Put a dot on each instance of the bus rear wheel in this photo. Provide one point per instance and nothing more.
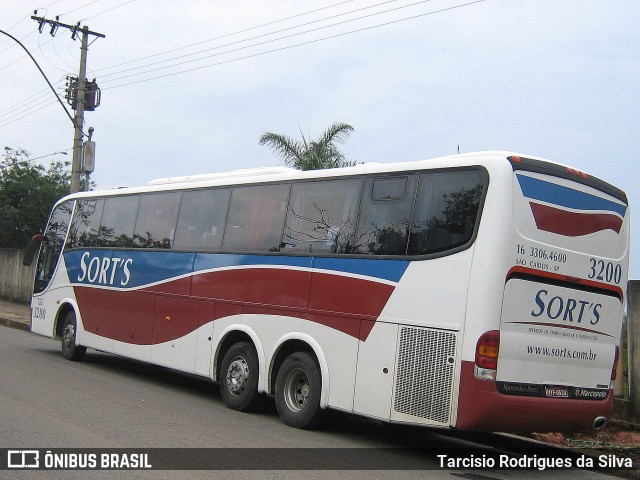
(70, 350)
(239, 377)
(298, 388)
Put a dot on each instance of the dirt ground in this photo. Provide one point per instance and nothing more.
(619, 438)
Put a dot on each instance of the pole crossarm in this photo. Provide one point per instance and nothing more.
(55, 24)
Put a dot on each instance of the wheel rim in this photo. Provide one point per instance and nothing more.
(69, 336)
(296, 390)
(237, 375)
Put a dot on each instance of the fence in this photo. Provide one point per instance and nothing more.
(16, 280)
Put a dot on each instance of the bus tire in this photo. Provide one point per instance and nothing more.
(298, 388)
(70, 350)
(239, 377)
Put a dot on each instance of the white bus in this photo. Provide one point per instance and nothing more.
(481, 291)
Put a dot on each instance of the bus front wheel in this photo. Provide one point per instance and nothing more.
(298, 388)
(70, 350)
(239, 377)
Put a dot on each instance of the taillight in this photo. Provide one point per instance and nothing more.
(487, 351)
(614, 372)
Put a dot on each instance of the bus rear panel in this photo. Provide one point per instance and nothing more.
(552, 359)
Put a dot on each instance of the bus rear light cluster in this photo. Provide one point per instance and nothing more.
(578, 173)
(487, 351)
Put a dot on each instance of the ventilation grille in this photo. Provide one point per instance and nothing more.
(424, 376)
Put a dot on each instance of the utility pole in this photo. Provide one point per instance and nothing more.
(79, 103)
(79, 116)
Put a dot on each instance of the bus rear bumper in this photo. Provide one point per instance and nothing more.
(482, 407)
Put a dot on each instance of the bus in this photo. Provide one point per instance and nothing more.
(479, 291)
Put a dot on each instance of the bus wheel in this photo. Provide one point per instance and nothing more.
(298, 387)
(70, 350)
(239, 377)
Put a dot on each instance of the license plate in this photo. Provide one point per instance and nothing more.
(556, 391)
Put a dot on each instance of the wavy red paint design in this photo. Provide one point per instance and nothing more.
(173, 309)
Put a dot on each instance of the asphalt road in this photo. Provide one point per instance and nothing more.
(111, 402)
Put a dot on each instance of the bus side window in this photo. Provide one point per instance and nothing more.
(256, 217)
(385, 215)
(156, 222)
(446, 211)
(118, 221)
(322, 216)
(201, 219)
(86, 223)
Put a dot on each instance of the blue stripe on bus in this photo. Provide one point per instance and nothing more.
(137, 268)
(536, 189)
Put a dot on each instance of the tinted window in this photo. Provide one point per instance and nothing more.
(50, 251)
(86, 223)
(321, 217)
(156, 222)
(118, 221)
(389, 188)
(446, 210)
(385, 216)
(256, 216)
(201, 219)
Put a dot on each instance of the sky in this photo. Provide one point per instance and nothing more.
(189, 86)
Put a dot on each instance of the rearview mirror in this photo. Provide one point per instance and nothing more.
(33, 248)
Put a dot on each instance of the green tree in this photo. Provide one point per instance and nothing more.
(307, 154)
(27, 193)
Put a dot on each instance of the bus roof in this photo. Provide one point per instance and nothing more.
(281, 173)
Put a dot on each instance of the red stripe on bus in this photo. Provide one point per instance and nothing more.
(161, 313)
(573, 224)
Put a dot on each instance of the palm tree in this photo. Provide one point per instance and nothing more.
(308, 154)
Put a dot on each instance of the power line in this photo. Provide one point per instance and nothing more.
(31, 98)
(266, 35)
(43, 74)
(45, 56)
(16, 110)
(35, 109)
(13, 44)
(280, 48)
(26, 55)
(20, 110)
(53, 44)
(26, 17)
(78, 8)
(222, 36)
(108, 10)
